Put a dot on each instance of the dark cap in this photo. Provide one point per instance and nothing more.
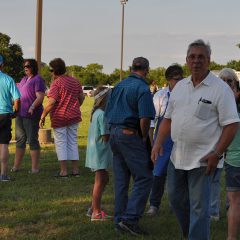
(140, 63)
(1, 59)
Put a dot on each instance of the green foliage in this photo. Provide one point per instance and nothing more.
(13, 57)
(157, 75)
(46, 75)
(215, 66)
(234, 64)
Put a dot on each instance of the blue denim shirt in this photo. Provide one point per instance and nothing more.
(130, 101)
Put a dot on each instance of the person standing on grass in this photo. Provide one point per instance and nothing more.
(173, 74)
(129, 112)
(99, 154)
(32, 89)
(9, 106)
(232, 164)
(202, 119)
(65, 97)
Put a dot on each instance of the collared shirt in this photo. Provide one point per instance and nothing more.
(8, 93)
(160, 101)
(66, 111)
(28, 89)
(198, 115)
(129, 101)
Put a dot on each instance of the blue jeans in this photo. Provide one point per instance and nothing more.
(157, 190)
(130, 158)
(189, 195)
(215, 193)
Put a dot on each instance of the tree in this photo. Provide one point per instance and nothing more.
(215, 66)
(46, 75)
(234, 64)
(13, 57)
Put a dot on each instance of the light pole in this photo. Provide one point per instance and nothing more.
(123, 2)
(38, 46)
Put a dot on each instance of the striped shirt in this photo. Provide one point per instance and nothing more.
(66, 111)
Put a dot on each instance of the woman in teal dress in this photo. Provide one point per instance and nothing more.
(99, 154)
(232, 164)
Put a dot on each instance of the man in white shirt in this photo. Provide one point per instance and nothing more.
(173, 74)
(203, 120)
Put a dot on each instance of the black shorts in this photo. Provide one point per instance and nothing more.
(5, 130)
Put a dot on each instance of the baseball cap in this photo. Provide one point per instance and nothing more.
(1, 59)
(140, 63)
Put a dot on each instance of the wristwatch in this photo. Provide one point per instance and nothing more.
(219, 155)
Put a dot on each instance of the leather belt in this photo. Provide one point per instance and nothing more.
(4, 115)
(129, 131)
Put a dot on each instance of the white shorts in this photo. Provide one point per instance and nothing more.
(66, 142)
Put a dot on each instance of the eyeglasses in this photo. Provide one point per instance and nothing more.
(27, 66)
(177, 78)
(229, 81)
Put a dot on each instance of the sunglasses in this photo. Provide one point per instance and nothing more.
(27, 66)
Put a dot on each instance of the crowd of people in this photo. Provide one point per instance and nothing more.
(184, 134)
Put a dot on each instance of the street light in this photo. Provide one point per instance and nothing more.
(123, 2)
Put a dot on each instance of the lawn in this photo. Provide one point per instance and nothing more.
(34, 207)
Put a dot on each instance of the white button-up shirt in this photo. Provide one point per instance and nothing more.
(160, 100)
(198, 115)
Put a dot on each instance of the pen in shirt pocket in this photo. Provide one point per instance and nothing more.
(204, 101)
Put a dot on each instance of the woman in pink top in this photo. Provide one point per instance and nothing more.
(65, 97)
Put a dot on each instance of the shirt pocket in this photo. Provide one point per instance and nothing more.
(203, 110)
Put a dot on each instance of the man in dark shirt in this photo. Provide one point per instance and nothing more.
(129, 111)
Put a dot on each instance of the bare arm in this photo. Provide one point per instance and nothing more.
(144, 126)
(81, 98)
(105, 138)
(16, 107)
(38, 101)
(163, 132)
(47, 109)
(228, 134)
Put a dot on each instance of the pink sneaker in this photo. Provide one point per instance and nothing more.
(102, 216)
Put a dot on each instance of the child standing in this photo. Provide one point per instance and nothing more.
(99, 155)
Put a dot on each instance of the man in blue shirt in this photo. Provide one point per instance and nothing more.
(129, 112)
(9, 98)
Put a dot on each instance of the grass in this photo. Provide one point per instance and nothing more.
(41, 207)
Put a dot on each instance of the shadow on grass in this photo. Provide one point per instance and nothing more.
(40, 206)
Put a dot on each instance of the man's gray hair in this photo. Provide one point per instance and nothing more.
(200, 43)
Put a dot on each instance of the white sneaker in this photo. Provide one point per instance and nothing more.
(152, 211)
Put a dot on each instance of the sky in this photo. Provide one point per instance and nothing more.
(82, 32)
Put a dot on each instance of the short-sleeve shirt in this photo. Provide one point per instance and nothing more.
(8, 93)
(129, 101)
(99, 154)
(28, 89)
(233, 152)
(198, 115)
(66, 111)
(160, 101)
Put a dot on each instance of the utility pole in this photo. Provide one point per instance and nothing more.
(38, 46)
